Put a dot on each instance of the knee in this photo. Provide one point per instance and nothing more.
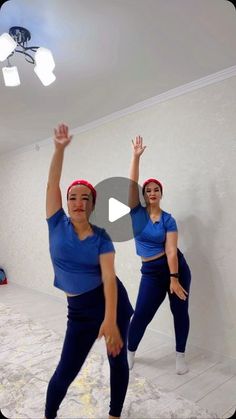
(141, 316)
(179, 311)
(119, 361)
(63, 377)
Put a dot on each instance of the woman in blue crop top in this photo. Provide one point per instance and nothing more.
(83, 260)
(164, 268)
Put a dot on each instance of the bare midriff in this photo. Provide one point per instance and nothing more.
(152, 257)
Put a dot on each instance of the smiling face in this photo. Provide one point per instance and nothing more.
(152, 194)
(80, 203)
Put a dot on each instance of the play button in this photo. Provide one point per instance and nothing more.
(112, 210)
(117, 210)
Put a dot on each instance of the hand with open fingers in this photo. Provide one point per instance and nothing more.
(176, 288)
(61, 136)
(138, 147)
(112, 337)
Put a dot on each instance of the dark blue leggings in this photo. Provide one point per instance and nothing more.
(85, 315)
(155, 284)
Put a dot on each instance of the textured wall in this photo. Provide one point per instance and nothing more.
(191, 148)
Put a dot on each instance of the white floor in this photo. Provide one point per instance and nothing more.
(211, 382)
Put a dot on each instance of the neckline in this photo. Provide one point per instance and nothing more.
(86, 238)
(156, 221)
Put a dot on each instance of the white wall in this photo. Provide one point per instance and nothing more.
(191, 148)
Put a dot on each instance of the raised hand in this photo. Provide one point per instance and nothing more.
(61, 136)
(138, 147)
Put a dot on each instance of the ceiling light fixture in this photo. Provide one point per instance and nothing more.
(16, 42)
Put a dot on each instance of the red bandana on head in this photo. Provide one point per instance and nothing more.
(85, 183)
(152, 180)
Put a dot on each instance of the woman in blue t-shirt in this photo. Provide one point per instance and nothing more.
(83, 261)
(164, 268)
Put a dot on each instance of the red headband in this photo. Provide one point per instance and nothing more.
(152, 180)
(85, 183)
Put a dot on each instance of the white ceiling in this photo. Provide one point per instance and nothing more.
(109, 54)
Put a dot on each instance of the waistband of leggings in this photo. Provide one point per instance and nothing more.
(87, 298)
(161, 258)
(91, 297)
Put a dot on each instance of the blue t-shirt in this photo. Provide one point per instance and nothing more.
(151, 240)
(76, 262)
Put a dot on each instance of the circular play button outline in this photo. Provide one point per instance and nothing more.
(112, 211)
(116, 209)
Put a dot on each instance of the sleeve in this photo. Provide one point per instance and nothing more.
(170, 224)
(106, 245)
(139, 219)
(135, 209)
(55, 218)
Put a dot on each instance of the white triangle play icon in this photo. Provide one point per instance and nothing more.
(117, 209)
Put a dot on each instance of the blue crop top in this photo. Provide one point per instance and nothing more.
(76, 262)
(151, 240)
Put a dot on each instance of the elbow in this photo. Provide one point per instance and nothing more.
(171, 253)
(109, 279)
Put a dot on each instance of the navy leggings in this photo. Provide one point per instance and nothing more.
(85, 315)
(155, 284)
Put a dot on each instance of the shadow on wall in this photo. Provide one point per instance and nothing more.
(207, 299)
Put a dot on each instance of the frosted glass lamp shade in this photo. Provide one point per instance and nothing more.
(7, 46)
(46, 77)
(11, 76)
(44, 59)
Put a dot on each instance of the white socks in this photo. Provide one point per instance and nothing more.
(131, 356)
(181, 366)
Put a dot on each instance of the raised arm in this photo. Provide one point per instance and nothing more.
(53, 197)
(137, 151)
